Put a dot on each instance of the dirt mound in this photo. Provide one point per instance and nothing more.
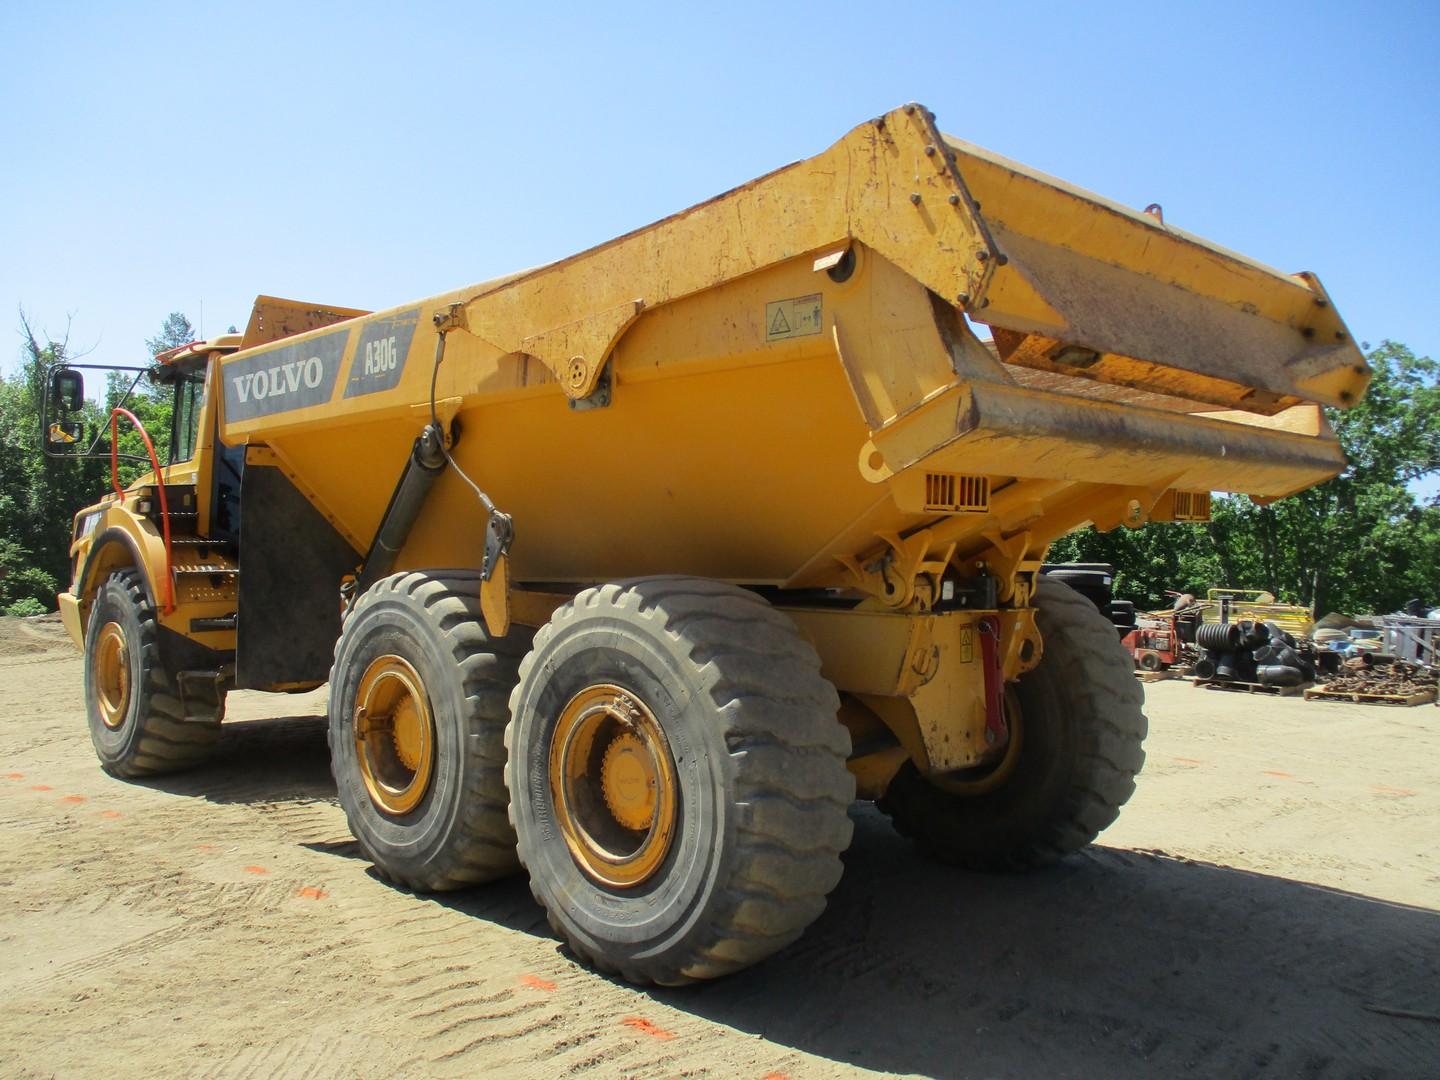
(36, 636)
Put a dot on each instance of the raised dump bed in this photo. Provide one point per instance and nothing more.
(636, 568)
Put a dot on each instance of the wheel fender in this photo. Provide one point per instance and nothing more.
(114, 549)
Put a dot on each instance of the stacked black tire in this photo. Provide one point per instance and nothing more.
(1252, 652)
(1095, 582)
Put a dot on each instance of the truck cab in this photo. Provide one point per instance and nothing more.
(171, 536)
(156, 586)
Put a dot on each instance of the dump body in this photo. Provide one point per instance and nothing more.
(785, 388)
(762, 422)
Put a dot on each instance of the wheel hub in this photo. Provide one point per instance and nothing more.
(986, 778)
(628, 779)
(613, 782)
(111, 675)
(394, 735)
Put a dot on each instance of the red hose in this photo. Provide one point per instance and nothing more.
(115, 415)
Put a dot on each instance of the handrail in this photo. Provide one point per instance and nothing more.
(115, 415)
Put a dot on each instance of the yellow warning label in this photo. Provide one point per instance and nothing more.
(796, 317)
(967, 644)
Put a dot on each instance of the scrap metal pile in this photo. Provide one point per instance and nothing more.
(1400, 678)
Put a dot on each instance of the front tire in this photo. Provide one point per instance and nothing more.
(418, 698)
(140, 723)
(1081, 729)
(677, 778)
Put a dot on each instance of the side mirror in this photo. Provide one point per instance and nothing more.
(63, 433)
(67, 389)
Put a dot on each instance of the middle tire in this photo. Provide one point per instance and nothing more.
(677, 778)
(417, 717)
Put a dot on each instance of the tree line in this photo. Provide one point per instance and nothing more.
(40, 495)
(1360, 543)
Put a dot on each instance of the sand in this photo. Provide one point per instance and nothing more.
(1265, 906)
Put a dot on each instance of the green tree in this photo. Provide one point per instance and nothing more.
(174, 332)
(38, 494)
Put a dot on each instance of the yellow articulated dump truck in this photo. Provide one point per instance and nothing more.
(635, 570)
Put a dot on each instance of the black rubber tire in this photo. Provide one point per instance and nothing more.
(459, 834)
(155, 736)
(760, 763)
(1080, 750)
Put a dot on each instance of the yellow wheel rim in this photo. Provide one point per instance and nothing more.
(1000, 771)
(613, 782)
(394, 735)
(112, 675)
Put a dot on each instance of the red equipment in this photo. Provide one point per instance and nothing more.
(1154, 643)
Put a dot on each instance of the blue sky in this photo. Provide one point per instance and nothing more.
(165, 157)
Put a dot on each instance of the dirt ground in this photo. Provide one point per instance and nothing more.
(1266, 905)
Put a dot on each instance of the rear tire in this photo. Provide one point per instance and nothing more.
(1081, 730)
(723, 712)
(420, 638)
(139, 722)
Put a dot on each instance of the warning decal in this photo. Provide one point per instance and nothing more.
(967, 645)
(796, 317)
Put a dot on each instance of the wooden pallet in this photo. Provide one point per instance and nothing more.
(1156, 676)
(1321, 693)
(1252, 688)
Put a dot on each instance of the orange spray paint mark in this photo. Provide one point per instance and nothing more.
(42, 787)
(536, 983)
(112, 814)
(256, 870)
(206, 847)
(775, 1076)
(1277, 773)
(645, 1027)
(311, 892)
(15, 776)
(73, 799)
(1381, 789)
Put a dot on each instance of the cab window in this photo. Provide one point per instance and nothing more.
(189, 396)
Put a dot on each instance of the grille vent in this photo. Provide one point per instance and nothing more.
(957, 493)
(1192, 506)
